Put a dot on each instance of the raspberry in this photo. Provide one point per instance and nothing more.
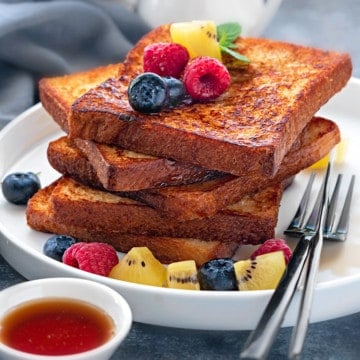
(96, 258)
(206, 78)
(272, 245)
(165, 59)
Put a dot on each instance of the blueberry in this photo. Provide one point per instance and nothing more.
(217, 274)
(56, 245)
(18, 188)
(148, 93)
(177, 91)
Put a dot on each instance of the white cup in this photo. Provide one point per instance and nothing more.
(253, 15)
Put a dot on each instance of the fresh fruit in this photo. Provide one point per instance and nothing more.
(165, 59)
(96, 258)
(272, 245)
(140, 266)
(198, 37)
(263, 272)
(217, 274)
(56, 245)
(206, 78)
(339, 156)
(18, 187)
(177, 92)
(182, 275)
(148, 93)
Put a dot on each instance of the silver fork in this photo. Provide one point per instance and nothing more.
(330, 231)
(333, 230)
(305, 259)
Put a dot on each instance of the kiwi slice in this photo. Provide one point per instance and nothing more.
(263, 272)
(182, 275)
(140, 266)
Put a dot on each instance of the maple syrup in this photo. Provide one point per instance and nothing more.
(55, 326)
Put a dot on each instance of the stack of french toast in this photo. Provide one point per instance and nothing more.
(195, 181)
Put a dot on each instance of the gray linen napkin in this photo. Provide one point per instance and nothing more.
(45, 38)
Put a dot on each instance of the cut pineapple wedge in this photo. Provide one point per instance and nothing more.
(198, 37)
(182, 275)
(140, 266)
(339, 156)
(263, 272)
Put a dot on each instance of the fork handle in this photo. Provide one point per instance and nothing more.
(263, 336)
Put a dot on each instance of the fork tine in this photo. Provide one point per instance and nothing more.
(313, 220)
(330, 217)
(342, 227)
(298, 220)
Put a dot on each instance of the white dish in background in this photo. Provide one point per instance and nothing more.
(23, 148)
(253, 16)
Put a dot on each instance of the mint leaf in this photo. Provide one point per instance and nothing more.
(227, 34)
(235, 54)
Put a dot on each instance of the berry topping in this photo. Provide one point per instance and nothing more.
(217, 274)
(177, 92)
(96, 258)
(273, 245)
(18, 188)
(165, 59)
(148, 93)
(56, 245)
(206, 78)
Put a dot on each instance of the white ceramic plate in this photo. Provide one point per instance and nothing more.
(23, 148)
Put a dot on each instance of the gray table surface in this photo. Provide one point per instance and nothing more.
(329, 24)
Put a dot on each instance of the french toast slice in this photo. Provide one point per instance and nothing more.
(123, 170)
(59, 92)
(118, 169)
(166, 249)
(208, 197)
(249, 129)
(250, 221)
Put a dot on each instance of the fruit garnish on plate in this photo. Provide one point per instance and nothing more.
(19, 187)
(218, 274)
(339, 156)
(261, 273)
(97, 258)
(140, 266)
(182, 275)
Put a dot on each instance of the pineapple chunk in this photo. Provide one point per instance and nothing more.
(264, 272)
(198, 37)
(183, 275)
(339, 156)
(140, 266)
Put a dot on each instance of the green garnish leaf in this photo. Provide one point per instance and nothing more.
(227, 34)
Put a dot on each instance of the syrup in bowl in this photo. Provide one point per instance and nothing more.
(63, 319)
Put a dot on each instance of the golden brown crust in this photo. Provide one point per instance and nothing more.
(252, 220)
(59, 92)
(166, 249)
(206, 198)
(250, 128)
(122, 170)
